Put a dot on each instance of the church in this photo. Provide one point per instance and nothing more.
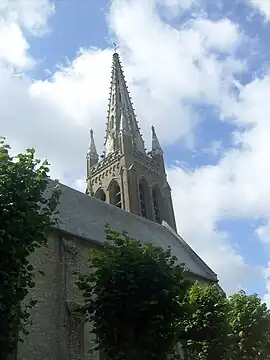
(127, 188)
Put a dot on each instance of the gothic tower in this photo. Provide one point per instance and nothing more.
(126, 176)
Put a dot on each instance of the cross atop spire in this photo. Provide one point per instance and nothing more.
(115, 47)
(121, 117)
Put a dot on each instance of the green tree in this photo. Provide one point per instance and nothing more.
(206, 326)
(25, 216)
(249, 321)
(134, 297)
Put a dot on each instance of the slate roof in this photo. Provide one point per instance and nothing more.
(84, 216)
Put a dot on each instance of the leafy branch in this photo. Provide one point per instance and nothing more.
(26, 214)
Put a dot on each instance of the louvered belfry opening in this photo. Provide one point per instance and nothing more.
(145, 199)
(142, 200)
(115, 194)
(156, 204)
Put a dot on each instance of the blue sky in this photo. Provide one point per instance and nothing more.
(197, 69)
(72, 26)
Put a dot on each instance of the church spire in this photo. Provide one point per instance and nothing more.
(156, 148)
(92, 155)
(121, 117)
(126, 176)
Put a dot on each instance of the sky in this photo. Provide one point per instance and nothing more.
(198, 70)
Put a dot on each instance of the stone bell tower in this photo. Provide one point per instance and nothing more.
(126, 176)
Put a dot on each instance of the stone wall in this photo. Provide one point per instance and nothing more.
(57, 333)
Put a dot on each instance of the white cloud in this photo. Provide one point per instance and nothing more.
(236, 187)
(266, 298)
(78, 89)
(228, 37)
(174, 66)
(30, 14)
(15, 17)
(263, 6)
(169, 70)
(201, 198)
(13, 46)
(264, 232)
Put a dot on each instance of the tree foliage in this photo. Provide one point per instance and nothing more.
(25, 216)
(206, 325)
(134, 295)
(234, 328)
(141, 307)
(249, 322)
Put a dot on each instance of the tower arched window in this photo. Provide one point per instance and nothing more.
(115, 194)
(100, 194)
(144, 197)
(156, 204)
(142, 200)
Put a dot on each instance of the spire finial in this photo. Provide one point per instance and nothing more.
(156, 148)
(115, 47)
(92, 152)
